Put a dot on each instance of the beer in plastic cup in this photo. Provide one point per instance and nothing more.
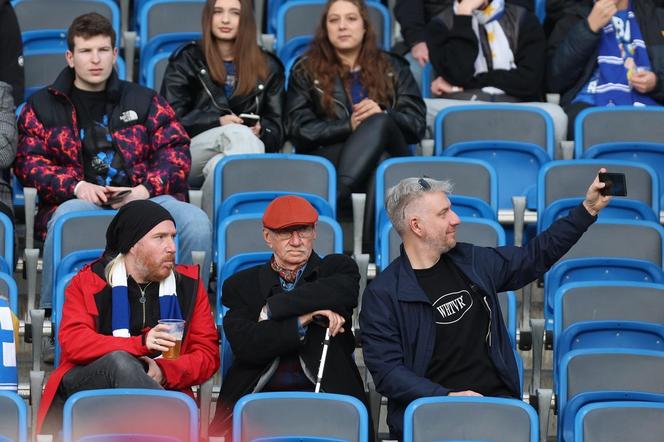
(175, 328)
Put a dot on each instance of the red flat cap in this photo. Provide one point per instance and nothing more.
(287, 211)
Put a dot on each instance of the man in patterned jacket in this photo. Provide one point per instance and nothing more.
(92, 141)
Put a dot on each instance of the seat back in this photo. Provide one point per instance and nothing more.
(517, 165)
(608, 301)
(6, 244)
(130, 412)
(599, 125)
(620, 420)
(471, 178)
(524, 124)
(609, 370)
(470, 418)
(559, 180)
(273, 173)
(75, 231)
(13, 417)
(44, 24)
(156, 69)
(296, 18)
(297, 415)
(598, 270)
(642, 240)
(169, 17)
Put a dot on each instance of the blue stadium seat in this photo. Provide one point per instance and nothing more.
(13, 417)
(302, 416)
(126, 414)
(9, 324)
(588, 375)
(619, 420)
(158, 49)
(449, 418)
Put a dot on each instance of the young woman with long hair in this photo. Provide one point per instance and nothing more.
(350, 102)
(212, 82)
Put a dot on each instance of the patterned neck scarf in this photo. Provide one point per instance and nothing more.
(290, 276)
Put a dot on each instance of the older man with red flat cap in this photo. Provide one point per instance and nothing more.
(278, 313)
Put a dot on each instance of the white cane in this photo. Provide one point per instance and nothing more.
(323, 356)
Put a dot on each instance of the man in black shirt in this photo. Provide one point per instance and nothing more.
(431, 323)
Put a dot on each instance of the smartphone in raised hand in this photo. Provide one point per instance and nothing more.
(615, 184)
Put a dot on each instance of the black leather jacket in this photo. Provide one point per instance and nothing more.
(199, 102)
(309, 127)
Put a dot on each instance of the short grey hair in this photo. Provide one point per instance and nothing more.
(404, 193)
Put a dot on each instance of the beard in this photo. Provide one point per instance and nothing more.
(153, 269)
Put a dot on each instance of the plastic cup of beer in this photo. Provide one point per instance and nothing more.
(175, 328)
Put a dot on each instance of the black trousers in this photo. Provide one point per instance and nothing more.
(117, 369)
(356, 159)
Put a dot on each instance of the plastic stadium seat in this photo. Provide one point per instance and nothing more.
(117, 414)
(563, 180)
(44, 24)
(592, 371)
(13, 417)
(155, 54)
(300, 416)
(75, 231)
(470, 418)
(623, 133)
(516, 140)
(619, 421)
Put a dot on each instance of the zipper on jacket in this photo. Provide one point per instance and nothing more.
(488, 331)
(207, 90)
(341, 105)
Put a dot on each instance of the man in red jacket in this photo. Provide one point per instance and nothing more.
(109, 334)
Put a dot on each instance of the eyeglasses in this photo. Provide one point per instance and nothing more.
(303, 232)
(424, 184)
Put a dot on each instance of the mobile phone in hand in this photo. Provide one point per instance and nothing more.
(117, 196)
(249, 120)
(615, 184)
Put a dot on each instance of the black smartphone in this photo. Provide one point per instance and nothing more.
(616, 184)
(118, 196)
(249, 120)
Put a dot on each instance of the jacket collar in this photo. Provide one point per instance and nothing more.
(64, 84)
(408, 289)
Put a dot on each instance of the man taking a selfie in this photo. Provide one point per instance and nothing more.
(431, 323)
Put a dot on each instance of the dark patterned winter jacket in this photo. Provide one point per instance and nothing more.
(153, 144)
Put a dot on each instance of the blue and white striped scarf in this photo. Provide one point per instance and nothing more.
(621, 51)
(169, 308)
(8, 339)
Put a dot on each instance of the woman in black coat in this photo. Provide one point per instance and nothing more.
(350, 102)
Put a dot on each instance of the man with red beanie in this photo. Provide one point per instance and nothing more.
(278, 313)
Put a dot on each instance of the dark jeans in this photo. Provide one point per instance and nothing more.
(356, 159)
(117, 369)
